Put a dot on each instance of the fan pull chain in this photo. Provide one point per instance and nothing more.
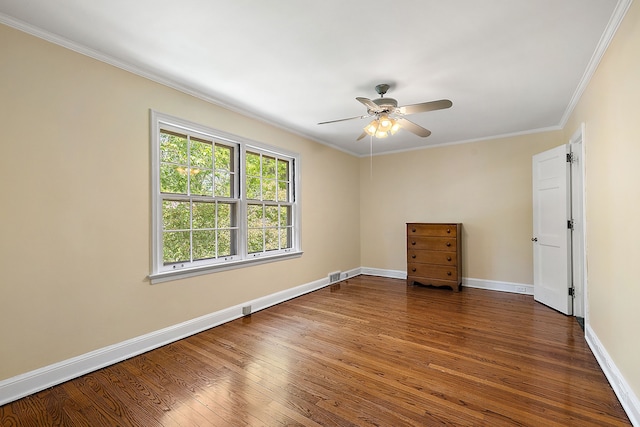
(371, 157)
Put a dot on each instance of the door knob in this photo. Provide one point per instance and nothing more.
(534, 239)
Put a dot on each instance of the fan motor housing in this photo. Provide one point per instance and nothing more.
(387, 104)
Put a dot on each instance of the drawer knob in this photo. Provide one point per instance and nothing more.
(413, 269)
(413, 243)
(448, 243)
(448, 273)
(448, 230)
(413, 230)
(413, 256)
(448, 258)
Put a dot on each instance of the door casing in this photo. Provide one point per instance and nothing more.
(578, 239)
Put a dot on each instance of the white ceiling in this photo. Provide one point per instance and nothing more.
(509, 66)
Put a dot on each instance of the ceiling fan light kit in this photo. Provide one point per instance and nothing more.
(389, 118)
(382, 126)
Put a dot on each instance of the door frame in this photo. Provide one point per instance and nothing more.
(578, 214)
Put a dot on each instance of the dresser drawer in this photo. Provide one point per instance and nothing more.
(448, 244)
(431, 257)
(446, 230)
(442, 272)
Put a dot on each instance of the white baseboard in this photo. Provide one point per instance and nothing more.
(392, 274)
(31, 382)
(625, 394)
(493, 285)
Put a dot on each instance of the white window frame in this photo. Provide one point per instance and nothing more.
(162, 273)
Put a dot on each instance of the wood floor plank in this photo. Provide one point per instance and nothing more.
(362, 352)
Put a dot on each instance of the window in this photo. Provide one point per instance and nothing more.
(219, 201)
(199, 199)
(268, 185)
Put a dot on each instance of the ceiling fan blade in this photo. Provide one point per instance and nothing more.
(414, 128)
(425, 106)
(362, 135)
(369, 104)
(342, 120)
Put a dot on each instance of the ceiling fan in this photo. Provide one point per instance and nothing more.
(389, 118)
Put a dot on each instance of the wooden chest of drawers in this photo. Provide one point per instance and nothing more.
(434, 254)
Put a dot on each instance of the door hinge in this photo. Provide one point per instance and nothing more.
(572, 292)
(570, 224)
(570, 158)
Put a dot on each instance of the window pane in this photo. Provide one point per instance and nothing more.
(173, 179)
(226, 215)
(253, 164)
(175, 215)
(284, 216)
(224, 243)
(223, 157)
(201, 154)
(223, 184)
(285, 238)
(204, 215)
(201, 182)
(253, 188)
(283, 191)
(173, 148)
(283, 170)
(268, 167)
(270, 216)
(176, 247)
(271, 239)
(204, 244)
(254, 241)
(269, 189)
(254, 216)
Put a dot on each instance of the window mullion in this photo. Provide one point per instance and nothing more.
(261, 179)
(264, 224)
(242, 221)
(190, 229)
(216, 228)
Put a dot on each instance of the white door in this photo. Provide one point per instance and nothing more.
(551, 234)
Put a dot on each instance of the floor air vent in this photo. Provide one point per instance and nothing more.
(334, 277)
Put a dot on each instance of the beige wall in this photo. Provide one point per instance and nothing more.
(610, 110)
(75, 208)
(485, 185)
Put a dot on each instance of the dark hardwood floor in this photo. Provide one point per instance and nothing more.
(365, 352)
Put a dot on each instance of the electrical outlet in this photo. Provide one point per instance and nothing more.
(521, 289)
(246, 310)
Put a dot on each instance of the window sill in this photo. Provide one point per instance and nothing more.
(166, 276)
